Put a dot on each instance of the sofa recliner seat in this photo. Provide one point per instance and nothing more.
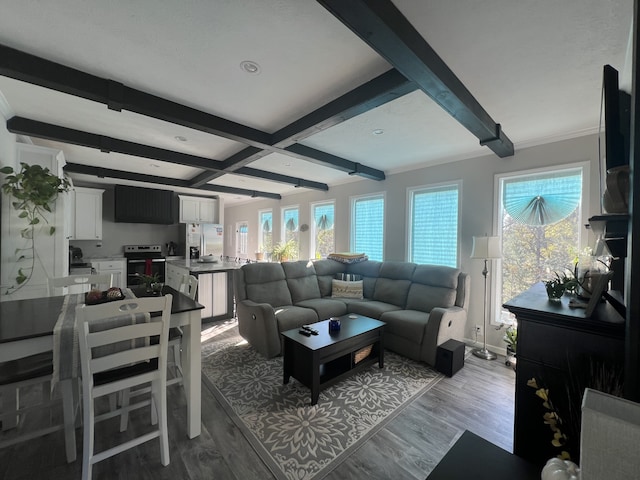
(422, 305)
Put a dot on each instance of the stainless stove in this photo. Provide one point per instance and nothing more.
(144, 260)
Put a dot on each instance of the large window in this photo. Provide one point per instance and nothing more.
(433, 225)
(322, 229)
(291, 228)
(540, 218)
(265, 231)
(367, 226)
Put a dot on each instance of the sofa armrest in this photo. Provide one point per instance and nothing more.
(257, 325)
(443, 324)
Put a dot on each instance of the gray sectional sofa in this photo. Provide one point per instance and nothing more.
(422, 305)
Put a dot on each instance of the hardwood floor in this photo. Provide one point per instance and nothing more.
(478, 398)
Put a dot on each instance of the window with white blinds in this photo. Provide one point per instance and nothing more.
(367, 226)
(433, 225)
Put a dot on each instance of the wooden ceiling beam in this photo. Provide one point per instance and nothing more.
(117, 96)
(382, 89)
(386, 30)
(34, 128)
(154, 179)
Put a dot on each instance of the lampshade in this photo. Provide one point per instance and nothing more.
(486, 247)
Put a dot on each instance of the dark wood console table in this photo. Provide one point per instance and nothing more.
(565, 352)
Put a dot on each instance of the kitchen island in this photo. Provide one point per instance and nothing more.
(215, 285)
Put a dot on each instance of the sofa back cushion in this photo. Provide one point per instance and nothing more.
(301, 280)
(326, 271)
(369, 271)
(433, 286)
(266, 283)
(393, 282)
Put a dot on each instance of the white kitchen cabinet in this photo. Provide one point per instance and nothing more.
(115, 267)
(87, 214)
(174, 274)
(199, 210)
(51, 251)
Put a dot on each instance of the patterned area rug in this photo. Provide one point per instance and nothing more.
(294, 439)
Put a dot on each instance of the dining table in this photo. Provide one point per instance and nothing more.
(27, 328)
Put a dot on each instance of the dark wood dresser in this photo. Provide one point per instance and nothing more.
(565, 353)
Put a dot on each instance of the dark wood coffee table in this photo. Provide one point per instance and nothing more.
(321, 360)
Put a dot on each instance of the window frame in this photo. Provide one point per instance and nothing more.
(314, 233)
(495, 313)
(411, 192)
(352, 202)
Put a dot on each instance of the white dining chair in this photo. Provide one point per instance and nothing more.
(16, 375)
(78, 283)
(188, 286)
(136, 345)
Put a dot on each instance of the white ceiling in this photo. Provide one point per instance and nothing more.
(535, 67)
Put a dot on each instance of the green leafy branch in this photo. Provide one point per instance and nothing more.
(35, 189)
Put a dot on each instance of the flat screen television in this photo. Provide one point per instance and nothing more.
(615, 125)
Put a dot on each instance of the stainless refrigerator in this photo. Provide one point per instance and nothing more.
(211, 239)
(205, 238)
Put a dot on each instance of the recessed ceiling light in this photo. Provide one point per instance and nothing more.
(180, 138)
(250, 67)
(378, 131)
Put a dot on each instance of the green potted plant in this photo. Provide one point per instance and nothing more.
(284, 251)
(511, 339)
(555, 287)
(35, 190)
(151, 281)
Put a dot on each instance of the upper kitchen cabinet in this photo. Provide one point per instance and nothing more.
(199, 210)
(87, 214)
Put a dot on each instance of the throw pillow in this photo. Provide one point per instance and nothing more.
(348, 277)
(342, 289)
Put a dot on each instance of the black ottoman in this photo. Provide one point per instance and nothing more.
(450, 357)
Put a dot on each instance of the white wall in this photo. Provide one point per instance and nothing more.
(477, 208)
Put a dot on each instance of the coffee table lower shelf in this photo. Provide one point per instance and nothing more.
(324, 360)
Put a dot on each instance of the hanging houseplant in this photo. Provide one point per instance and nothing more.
(35, 190)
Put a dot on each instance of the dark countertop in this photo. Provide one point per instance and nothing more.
(36, 317)
(196, 267)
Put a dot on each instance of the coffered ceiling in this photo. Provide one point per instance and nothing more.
(157, 93)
